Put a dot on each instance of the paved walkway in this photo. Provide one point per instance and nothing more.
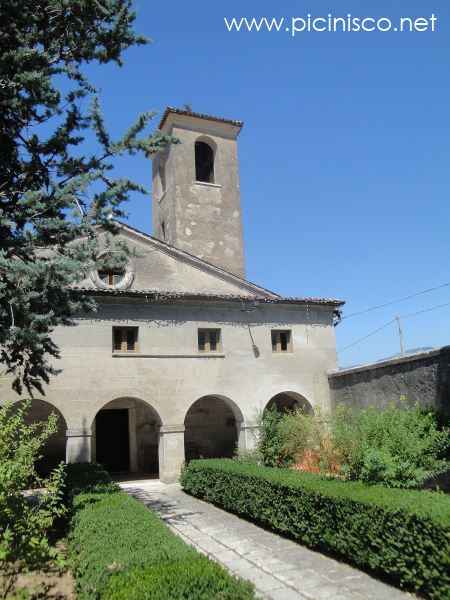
(279, 568)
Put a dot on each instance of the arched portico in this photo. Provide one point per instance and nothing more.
(212, 426)
(125, 436)
(54, 450)
(289, 401)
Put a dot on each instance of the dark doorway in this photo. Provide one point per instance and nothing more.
(113, 439)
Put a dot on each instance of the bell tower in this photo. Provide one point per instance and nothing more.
(196, 196)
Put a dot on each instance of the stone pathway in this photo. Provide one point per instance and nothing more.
(279, 568)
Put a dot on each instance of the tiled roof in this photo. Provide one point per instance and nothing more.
(189, 113)
(161, 296)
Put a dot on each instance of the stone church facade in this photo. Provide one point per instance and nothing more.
(184, 353)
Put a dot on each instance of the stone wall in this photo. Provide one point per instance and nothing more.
(201, 218)
(422, 378)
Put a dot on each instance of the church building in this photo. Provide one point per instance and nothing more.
(184, 353)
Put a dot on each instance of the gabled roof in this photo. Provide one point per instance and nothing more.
(204, 265)
(232, 287)
(189, 113)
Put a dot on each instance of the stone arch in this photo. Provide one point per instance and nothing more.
(125, 436)
(212, 426)
(289, 401)
(204, 160)
(54, 450)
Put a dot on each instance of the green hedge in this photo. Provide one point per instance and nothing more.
(120, 550)
(195, 578)
(402, 534)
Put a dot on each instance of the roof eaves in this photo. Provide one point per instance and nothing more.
(188, 113)
(160, 295)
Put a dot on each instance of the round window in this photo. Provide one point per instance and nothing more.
(110, 274)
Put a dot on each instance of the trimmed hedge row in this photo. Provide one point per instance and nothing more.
(403, 534)
(119, 550)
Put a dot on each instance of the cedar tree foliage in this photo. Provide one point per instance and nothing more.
(55, 195)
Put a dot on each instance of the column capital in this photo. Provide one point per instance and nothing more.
(78, 432)
(249, 425)
(172, 428)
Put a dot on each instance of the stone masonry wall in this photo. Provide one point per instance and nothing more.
(422, 378)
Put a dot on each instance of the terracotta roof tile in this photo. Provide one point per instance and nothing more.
(189, 113)
(161, 296)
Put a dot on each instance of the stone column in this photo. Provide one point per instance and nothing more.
(133, 439)
(171, 452)
(248, 435)
(78, 446)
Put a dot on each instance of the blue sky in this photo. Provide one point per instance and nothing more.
(344, 156)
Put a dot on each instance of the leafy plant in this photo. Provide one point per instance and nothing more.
(199, 579)
(25, 523)
(306, 439)
(401, 534)
(119, 549)
(248, 456)
(271, 445)
(396, 446)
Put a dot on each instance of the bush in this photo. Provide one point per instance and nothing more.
(251, 456)
(270, 445)
(85, 479)
(25, 524)
(120, 549)
(307, 441)
(197, 578)
(402, 534)
(398, 447)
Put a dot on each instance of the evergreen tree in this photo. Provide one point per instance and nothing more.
(53, 196)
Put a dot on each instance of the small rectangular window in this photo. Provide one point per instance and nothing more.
(281, 340)
(209, 340)
(125, 339)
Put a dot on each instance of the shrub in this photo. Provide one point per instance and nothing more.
(402, 534)
(83, 479)
(24, 524)
(198, 578)
(270, 445)
(120, 549)
(306, 440)
(252, 456)
(398, 447)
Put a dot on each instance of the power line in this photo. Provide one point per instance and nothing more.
(407, 316)
(425, 310)
(366, 336)
(391, 302)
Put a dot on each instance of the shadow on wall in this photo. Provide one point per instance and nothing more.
(443, 402)
(54, 450)
(211, 429)
(84, 453)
